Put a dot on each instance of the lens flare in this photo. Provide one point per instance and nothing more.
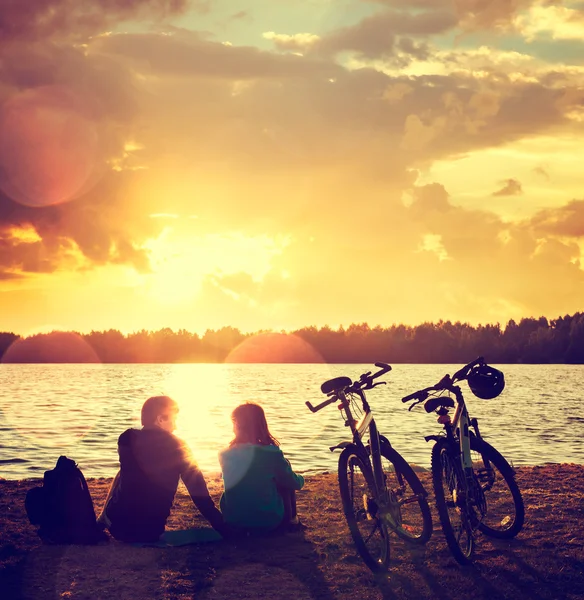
(53, 347)
(49, 145)
(274, 348)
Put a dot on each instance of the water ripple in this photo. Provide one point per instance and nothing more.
(80, 411)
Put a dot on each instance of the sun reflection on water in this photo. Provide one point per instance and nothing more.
(206, 399)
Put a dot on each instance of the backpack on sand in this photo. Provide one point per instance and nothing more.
(63, 508)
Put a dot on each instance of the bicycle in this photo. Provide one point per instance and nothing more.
(474, 485)
(377, 498)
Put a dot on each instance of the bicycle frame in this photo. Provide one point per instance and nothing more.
(459, 427)
(381, 494)
(460, 421)
(358, 430)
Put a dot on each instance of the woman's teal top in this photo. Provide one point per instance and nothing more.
(252, 475)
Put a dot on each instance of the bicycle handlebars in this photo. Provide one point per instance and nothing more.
(365, 382)
(321, 405)
(463, 373)
(445, 383)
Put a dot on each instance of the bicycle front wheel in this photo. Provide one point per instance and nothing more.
(408, 505)
(451, 501)
(361, 509)
(505, 511)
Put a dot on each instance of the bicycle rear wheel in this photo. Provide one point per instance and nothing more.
(408, 505)
(505, 511)
(451, 501)
(360, 506)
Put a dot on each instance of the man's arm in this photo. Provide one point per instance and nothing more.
(197, 488)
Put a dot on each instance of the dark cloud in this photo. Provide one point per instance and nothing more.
(375, 35)
(41, 19)
(565, 220)
(59, 139)
(281, 144)
(417, 50)
(542, 172)
(431, 197)
(451, 115)
(7, 276)
(511, 187)
(65, 118)
(101, 225)
(495, 15)
(190, 54)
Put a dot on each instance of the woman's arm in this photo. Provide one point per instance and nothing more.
(285, 476)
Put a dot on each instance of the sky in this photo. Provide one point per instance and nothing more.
(269, 164)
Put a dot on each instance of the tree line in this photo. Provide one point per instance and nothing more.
(530, 340)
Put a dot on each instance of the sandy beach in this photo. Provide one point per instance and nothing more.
(546, 561)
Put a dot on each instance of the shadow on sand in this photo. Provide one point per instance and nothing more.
(272, 567)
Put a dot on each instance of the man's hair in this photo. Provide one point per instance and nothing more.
(155, 406)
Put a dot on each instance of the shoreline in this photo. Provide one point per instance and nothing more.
(545, 561)
(216, 474)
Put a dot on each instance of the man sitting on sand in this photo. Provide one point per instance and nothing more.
(151, 461)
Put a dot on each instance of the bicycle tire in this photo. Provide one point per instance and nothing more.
(505, 498)
(446, 476)
(413, 518)
(366, 513)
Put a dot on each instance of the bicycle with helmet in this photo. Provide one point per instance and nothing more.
(380, 491)
(474, 485)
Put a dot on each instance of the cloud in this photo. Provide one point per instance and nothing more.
(373, 36)
(249, 125)
(267, 143)
(512, 187)
(565, 220)
(190, 54)
(471, 15)
(542, 172)
(43, 19)
(65, 120)
(298, 41)
(545, 19)
(241, 15)
(99, 228)
(496, 15)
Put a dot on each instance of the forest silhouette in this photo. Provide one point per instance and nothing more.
(530, 340)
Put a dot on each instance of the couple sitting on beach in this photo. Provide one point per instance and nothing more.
(259, 483)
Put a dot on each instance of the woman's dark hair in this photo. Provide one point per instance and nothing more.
(252, 427)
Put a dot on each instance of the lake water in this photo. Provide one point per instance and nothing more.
(80, 410)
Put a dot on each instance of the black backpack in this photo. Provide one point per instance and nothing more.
(63, 508)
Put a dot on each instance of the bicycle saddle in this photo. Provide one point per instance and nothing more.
(335, 385)
(433, 403)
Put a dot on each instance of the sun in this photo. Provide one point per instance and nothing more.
(205, 402)
(181, 262)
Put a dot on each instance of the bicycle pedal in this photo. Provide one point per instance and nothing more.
(370, 506)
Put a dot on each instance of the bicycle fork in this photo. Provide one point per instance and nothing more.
(485, 475)
(386, 503)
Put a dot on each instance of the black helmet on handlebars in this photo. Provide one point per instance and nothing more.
(486, 382)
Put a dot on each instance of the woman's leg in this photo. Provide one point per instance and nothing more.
(289, 499)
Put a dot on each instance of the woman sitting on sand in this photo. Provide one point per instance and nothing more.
(259, 483)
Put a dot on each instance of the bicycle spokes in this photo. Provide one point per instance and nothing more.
(503, 507)
(363, 511)
(458, 505)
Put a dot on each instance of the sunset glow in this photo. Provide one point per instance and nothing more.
(275, 165)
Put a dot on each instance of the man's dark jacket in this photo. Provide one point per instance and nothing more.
(151, 463)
